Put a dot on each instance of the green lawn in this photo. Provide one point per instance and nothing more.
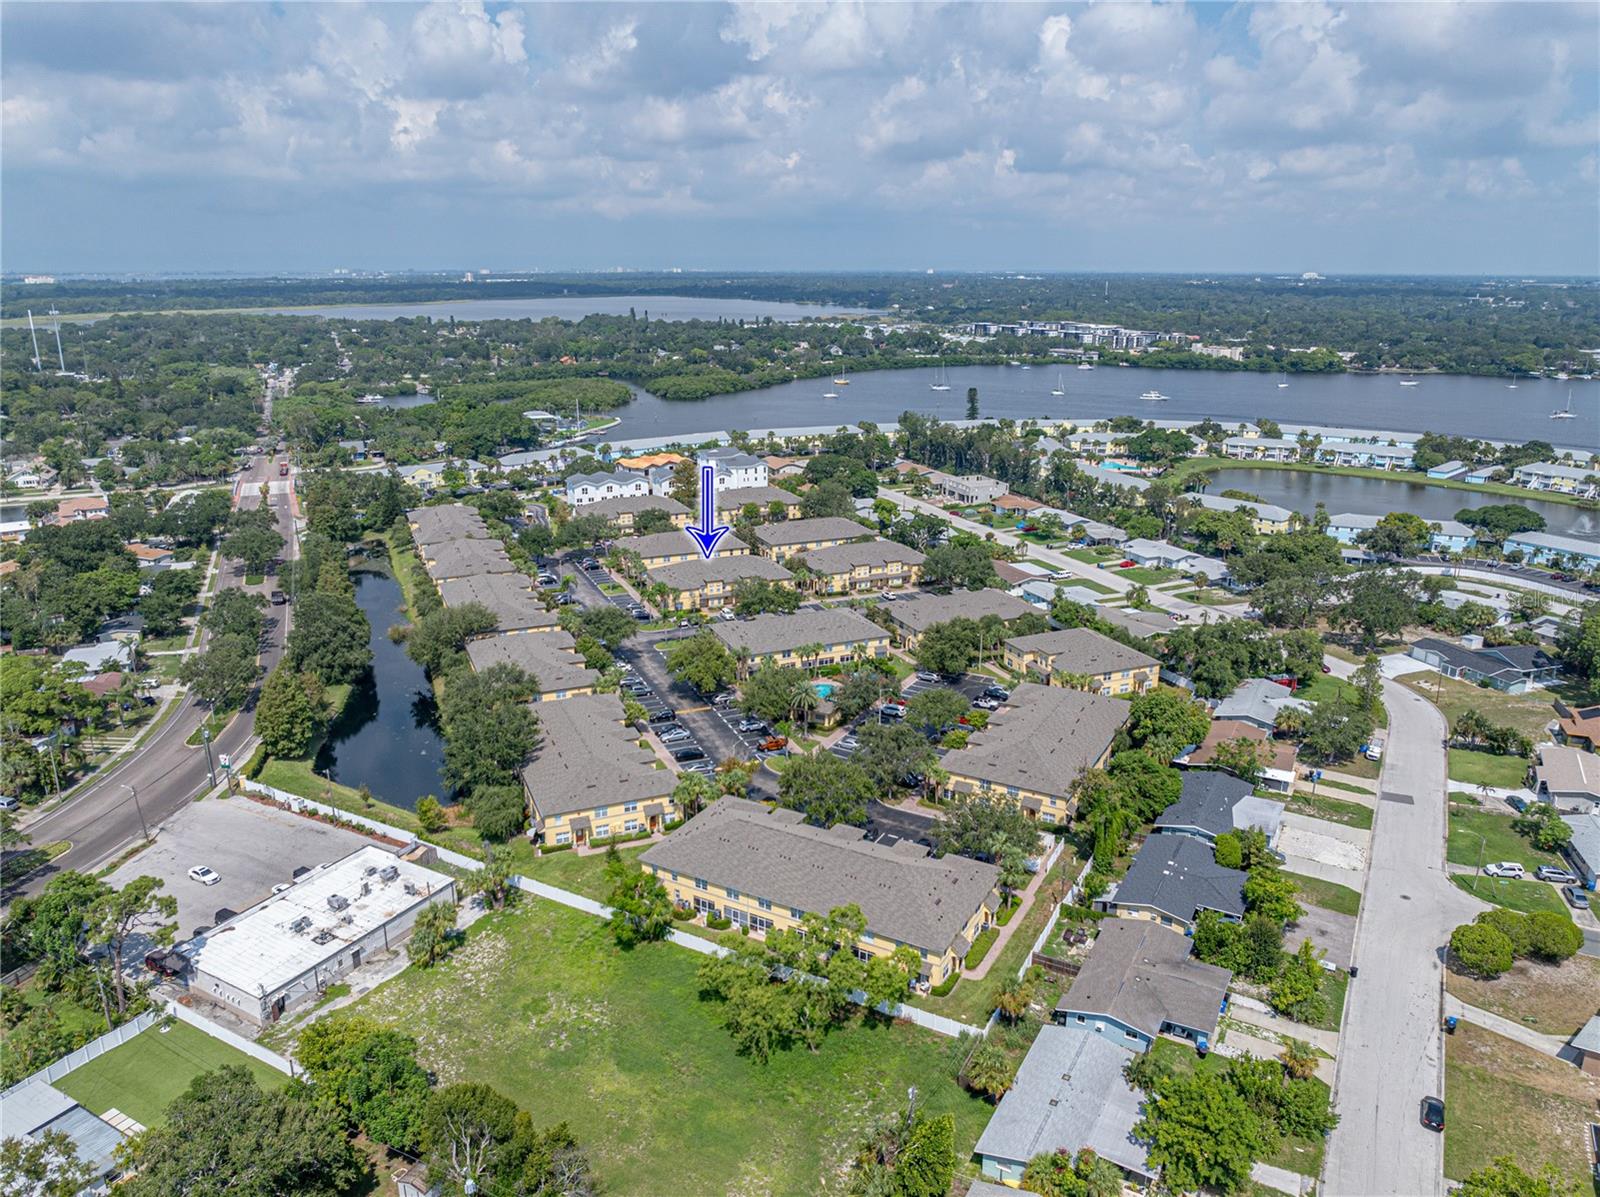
(1325, 685)
(1528, 713)
(1476, 768)
(1207, 598)
(541, 1004)
(1498, 841)
(1526, 896)
(1328, 895)
(1149, 575)
(1334, 987)
(166, 644)
(584, 875)
(1094, 555)
(1335, 810)
(142, 1076)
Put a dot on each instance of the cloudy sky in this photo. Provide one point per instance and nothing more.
(1321, 136)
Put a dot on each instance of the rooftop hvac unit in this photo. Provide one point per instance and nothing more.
(388, 873)
(337, 901)
(369, 870)
(301, 925)
(410, 888)
(323, 936)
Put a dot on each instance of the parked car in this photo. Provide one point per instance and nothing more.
(566, 600)
(723, 699)
(204, 874)
(549, 580)
(639, 613)
(988, 704)
(774, 744)
(999, 692)
(1504, 868)
(1552, 873)
(8, 802)
(689, 754)
(1517, 804)
(927, 675)
(1374, 752)
(727, 613)
(591, 563)
(279, 598)
(673, 734)
(1433, 1113)
(664, 715)
(751, 725)
(1577, 897)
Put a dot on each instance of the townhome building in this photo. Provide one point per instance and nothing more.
(731, 503)
(1261, 448)
(1549, 548)
(1036, 747)
(709, 585)
(464, 559)
(550, 657)
(860, 567)
(1365, 456)
(1265, 518)
(508, 597)
(589, 780)
(583, 489)
(1070, 653)
(766, 870)
(809, 639)
(1558, 478)
(911, 617)
(670, 548)
(1446, 536)
(780, 540)
(445, 523)
(623, 510)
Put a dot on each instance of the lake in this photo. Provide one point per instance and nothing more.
(575, 307)
(1476, 407)
(387, 737)
(1302, 490)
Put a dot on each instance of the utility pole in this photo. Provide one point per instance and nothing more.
(142, 824)
(205, 738)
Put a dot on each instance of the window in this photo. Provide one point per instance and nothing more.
(1081, 1019)
(674, 876)
(705, 906)
(631, 826)
(563, 837)
(603, 832)
(796, 914)
(763, 904)
(629, 808)
(757, 923)
(699, 884)
(730, 891)
(864, 956)
(601, 812)
(867, 935)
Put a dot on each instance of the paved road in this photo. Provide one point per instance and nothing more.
(1391, 1051)
(166, 773)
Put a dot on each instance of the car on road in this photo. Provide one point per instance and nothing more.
(1577, 897)
(750, 725)
(774, 744)
(204, 874)
(1552, 873)
(1504, 868)
(1433, 1113)
(689, 754)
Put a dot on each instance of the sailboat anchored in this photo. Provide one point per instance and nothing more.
(1061, 387)
(843, 380)
(1565, 413)
(941, 380)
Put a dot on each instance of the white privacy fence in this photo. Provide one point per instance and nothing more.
(92, 1050)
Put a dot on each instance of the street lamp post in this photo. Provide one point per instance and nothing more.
(142, 824)
(205, 738)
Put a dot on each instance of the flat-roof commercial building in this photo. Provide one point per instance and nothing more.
(515, 607)
(766, 869)
(709, 585)
(1140, 981)
(1113, 667)
(551, 657)
(286, 950)
(1172, 879)
(857, 568)
(1069, 1094)
(732, 502)
(1036, 746)
(913, 616)
(801, 536)
(834, 636)
(589, 779)
(671, 548)
(623, 510)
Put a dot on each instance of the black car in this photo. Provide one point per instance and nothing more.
(639, 613)
(999, 692)
(689, 754)
(664, 715)
(1433, 1113)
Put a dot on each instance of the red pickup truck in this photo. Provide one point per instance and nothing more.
(283, 469)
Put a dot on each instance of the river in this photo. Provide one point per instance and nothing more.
(659, 307)
(1302, 490)
(387, 737)
(1476, 407)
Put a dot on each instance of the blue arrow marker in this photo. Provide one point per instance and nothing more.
(708, 532)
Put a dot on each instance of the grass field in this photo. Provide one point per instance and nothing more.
(1094, 555)
(1507, 1099)
(142, 1076)
(1149, 575)
(1528, 713)
(1347, 787)
(1327, 895)
(1498, 841)
(1327, 686)
(1526, 896)
(1555, 999)
(1476, 768)
(541, 1004)
(1335, 810)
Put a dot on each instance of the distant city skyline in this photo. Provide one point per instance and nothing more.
(1338, 138)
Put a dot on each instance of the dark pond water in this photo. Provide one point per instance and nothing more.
(1302, 490)
(387, 738)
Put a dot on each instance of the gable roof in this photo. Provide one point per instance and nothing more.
(635, 504)
(905, 894)
(445, 523)
(1143, 975)
(1258, 699)
(1207, 802)
(868, 553)
(1179, 876)
(588, 757)
(1082, 650)
(674, 543)
(775, 633)
(1041, 739)
(515, 607)
(692, 575)
(736, 497)
(922, 612)
(791, 532)
(549, 656)
(1508, 661)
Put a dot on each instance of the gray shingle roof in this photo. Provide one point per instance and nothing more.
(1142, 974)
(1585, 844)
(736, 498)
(908, 897)
(634, 504)
(1588, 1037)
(1069, 1094)
(1041, 740)
(1258, 700)
(791, 532)
(549, 656)
(1082, 650)
(445, 523)
(692, 575)
(516, 608)
(1508, 661)
(776, 633)
(1207, 802)
(588, 757)
(464, 559)
(675, 543)
(873, 554)
(1179, 875)
(919, 614)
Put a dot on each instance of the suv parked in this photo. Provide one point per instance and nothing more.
(774, 744)
(1505, 868)
(1554, 873)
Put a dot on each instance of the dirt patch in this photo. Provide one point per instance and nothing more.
(1324, 849)
(1555, 999)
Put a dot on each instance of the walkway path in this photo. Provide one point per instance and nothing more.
(1006, 932)
(1550, 1045)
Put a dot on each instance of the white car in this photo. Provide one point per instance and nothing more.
(204, 874)
(1504, 868)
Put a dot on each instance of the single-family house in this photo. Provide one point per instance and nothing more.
(969, 490)
(1567, 778)
(150, 556)
(809, 639)
(1257, 701)
(1513, 668)
(86, 507)
(1587, 1044)
(1171, 880)
(1448, 470)
(1276, 757)
(1578, 726)
(32, 1109)
(1064, 655)
(103, 656)
(1213, 803)
(767, 869)
(1479, 476)
(1583, 852)
(650, 461)
(785, 467)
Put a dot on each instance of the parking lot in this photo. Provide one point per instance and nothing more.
(251, 847)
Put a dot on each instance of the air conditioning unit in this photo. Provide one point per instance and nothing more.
(388, 873)
(337, 901)
(301, 925)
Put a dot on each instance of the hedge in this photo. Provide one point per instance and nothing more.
(980, 946)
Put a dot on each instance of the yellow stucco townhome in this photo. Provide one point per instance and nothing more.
(1113, 667)
(1265, 518)
(913, 616)
(708, 585)
(1036, 746)
(589, 779)
(622, 510)
(765, 870)
(790, 537)
(550, 657)
(830, 637)
(508, 597)
(858, 567)
(671, 548)
(732, 502)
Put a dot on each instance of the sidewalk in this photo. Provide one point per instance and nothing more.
(1025, 904)
(1550, 1045)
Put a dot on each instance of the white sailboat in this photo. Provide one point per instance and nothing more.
(1409, 382)
(1565, 413)
(843, 380)
(1086, 365)
(1153, 396)
(941, 380)
(830, 394)
(1284, 381)
(1061, 387)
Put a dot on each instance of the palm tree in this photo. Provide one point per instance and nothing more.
(1299, 1059)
